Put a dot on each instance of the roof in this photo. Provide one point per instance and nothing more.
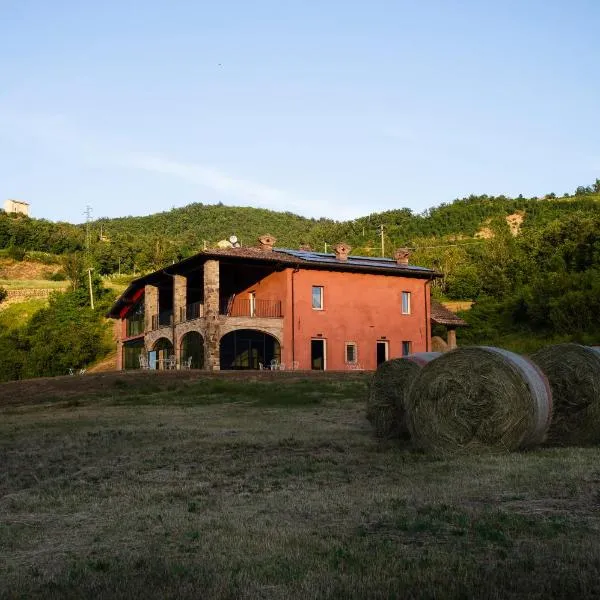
(18, 201)
(283, 257)
(440, 315)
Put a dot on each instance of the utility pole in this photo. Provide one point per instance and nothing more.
(88, 217)
(91, 290)
(325, 247)
(382, 242)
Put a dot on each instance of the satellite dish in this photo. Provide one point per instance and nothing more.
(233, 239)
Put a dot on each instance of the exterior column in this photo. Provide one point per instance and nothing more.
(118, 333)
(179, 304)
(451, 339)
(211, 313)
(150, 305)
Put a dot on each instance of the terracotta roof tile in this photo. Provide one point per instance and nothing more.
(442, 316)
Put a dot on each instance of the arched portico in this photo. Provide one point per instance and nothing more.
(247, 349)
(192, 346)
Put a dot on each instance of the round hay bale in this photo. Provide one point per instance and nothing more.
(478, 399)
(574, 375)
(385, 403)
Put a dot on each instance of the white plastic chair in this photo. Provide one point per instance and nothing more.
(144, 362)
(274, 364)
(186, 364)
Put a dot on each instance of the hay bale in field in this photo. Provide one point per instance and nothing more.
(574, 375)
(478, 399)
(385, 403)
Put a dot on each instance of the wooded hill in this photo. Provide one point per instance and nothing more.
(140, 244)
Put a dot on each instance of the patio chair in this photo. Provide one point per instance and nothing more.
(261, 367)
(274, 364)
(186, 364)
(144, 362)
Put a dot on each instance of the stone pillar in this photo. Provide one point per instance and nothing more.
(211, 313)
(451, 339)
(179, 304)
(118, 334)
(150, 305)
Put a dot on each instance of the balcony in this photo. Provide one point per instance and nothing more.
(162, 319)
(269, 309)
(192, 311)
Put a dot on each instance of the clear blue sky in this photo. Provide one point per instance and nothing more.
(324, 108)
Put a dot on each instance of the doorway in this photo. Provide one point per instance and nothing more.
(382, 351)
(317, 355)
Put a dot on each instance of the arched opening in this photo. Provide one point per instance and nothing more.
(192, 346)
(161, 353)
(246, 348)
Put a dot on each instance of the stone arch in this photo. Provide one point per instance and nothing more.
(160, 350)
(248, 348)
(192, 345)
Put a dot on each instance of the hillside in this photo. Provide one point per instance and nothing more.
(137, 244)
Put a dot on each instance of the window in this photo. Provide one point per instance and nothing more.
(406, 348)
(317, 297)
(406, 303)
(350, 352)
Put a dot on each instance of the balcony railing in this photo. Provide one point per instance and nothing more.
(252, 308)
(192, 311)
(135, 326)
(162, 319)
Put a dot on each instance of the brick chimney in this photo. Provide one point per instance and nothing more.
(342, 250)
(266, 242)
(401, 255)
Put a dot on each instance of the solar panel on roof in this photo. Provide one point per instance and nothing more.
(358, 261)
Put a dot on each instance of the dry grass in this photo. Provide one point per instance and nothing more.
(274, 488)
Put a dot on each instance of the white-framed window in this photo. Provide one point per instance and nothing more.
(351, 353)
(406, 303)
(406, 348)
(317, 297)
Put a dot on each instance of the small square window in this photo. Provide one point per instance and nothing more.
(406, 303)
(317, 297)
(350, 352)
(406, 348)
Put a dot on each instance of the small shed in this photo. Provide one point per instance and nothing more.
(440, 315)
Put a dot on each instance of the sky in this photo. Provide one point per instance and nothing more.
(325, 108)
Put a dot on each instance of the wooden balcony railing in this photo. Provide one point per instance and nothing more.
(252, 308)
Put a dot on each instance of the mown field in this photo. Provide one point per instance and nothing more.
(179, 486)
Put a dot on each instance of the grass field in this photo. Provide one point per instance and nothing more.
(174, 486)
(18, 314)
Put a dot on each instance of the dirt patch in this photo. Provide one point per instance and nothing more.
(13, 269)
(515, 221)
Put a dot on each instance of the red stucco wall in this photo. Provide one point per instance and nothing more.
(272, 287)
(360, 308)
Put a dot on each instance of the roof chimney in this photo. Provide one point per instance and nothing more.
(401, 255)
(341, 251)
(266, 242)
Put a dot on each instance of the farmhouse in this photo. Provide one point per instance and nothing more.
(254, 307)
(16, 206)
